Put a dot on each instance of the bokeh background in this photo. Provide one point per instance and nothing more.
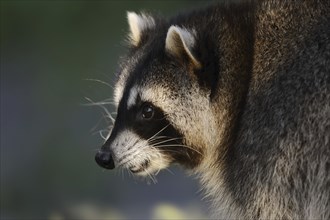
(51, 52)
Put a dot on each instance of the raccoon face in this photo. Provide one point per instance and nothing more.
(163, 113)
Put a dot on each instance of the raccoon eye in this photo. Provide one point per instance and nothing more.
(147, 111)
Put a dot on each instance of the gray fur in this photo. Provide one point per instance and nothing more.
(283, 140)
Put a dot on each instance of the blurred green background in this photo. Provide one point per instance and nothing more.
(49, 137)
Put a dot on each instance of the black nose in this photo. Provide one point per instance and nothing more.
(104, 159)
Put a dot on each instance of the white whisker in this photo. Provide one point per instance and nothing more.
(103, 108)
(99, 81)
(105, 137)
(158, 133)
(151, 176)
(168, 140)
(180, 145)
(101, 130)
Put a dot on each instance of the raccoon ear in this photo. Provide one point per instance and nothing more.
(137, 24)
(180, 42)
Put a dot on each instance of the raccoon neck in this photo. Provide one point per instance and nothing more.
(234, 49)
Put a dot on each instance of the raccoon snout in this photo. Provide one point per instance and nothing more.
(104, 159)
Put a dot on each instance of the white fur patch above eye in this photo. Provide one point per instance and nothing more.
(137, 24)
(180, 41)
(133, 93)
(118, 93)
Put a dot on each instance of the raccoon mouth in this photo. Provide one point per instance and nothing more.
(140, 168)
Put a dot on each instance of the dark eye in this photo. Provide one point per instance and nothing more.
(147, 111)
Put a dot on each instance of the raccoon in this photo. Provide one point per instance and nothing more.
(238, 94)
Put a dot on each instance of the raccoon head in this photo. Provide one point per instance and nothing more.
(164, 109)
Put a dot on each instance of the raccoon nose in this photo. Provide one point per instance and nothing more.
(104, 159)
